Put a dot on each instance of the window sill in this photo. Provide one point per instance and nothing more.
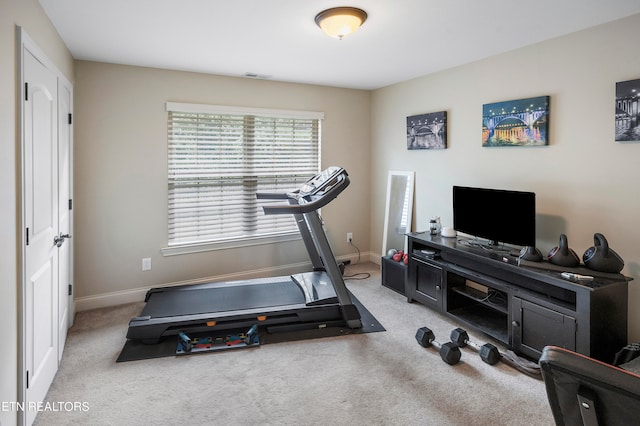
(180, 249)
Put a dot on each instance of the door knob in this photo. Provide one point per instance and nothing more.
(59, 240)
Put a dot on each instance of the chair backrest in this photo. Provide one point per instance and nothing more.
(585, 391)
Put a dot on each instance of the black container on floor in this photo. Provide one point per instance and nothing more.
(393, 274)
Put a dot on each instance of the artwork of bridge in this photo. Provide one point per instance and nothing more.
(427, 131)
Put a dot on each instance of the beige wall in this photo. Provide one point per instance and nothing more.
(121, 169)
(584, 181)
(29, 15)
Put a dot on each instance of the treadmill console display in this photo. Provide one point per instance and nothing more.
(320, 181)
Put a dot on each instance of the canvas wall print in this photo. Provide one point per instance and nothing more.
(427, 131)
(627, 113)
(523, 122)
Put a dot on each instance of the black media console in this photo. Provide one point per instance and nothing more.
(525, 305)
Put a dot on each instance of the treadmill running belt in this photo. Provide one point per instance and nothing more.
(221, 299)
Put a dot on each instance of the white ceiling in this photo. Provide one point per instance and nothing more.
(401, 39)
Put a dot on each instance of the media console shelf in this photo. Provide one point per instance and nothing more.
(525, 305)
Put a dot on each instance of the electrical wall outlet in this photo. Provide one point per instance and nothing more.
(146, 264)
(349, 237)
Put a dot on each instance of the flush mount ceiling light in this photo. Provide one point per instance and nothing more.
(341, 21)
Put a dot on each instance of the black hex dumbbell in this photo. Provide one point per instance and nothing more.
(488, 353)
(449, 352)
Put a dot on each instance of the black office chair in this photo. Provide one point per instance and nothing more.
(585, 391)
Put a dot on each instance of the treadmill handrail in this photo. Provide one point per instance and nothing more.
(315, 202)
(275, 195)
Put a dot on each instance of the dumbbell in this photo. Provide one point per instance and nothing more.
(488, 353)
(449, 352)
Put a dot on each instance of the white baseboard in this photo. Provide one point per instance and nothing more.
(138, 294)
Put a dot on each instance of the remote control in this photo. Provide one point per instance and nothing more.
(576, 277)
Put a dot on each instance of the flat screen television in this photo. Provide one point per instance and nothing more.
(500, 216)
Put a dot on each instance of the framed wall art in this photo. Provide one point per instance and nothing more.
(427, 131)
(627, 111)
(523, 122)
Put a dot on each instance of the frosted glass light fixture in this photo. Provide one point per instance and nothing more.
(341, 21)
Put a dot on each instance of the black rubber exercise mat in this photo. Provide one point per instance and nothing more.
(135, 350)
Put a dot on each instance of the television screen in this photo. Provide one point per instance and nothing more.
(499, 216)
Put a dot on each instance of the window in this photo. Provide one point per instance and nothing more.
(220, 157)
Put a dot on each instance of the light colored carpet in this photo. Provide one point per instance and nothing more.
(382, 378)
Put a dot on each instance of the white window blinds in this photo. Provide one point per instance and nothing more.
(219, 157)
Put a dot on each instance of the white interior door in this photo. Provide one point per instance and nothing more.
(64, 214)
(41, 215)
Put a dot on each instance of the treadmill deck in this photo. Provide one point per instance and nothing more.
(197, 300)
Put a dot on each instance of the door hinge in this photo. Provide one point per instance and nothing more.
(70, 289)
(70, 204)
(70, 118)
(27, 236)
(26, 91)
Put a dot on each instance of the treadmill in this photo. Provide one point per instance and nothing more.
(313, 299)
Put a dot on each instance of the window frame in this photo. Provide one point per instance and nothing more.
(196, 247)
